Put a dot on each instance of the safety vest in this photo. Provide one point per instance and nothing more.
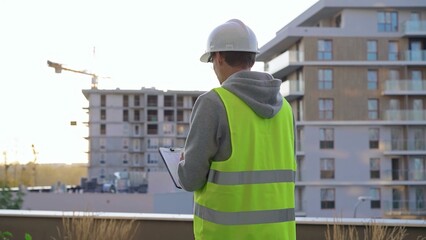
(251, 194)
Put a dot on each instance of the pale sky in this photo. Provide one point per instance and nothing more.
(137, 44)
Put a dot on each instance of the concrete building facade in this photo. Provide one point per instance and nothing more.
(126, 128)
(354, 73)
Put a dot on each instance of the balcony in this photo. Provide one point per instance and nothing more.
(415, 55)
(46, 224)
(400, 145)
(414, 28)
(292, 89)
(285, 63)
(405, 87)
(407, 208)
(405, 175)
(404, 115)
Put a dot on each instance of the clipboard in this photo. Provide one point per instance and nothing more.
(171, 158)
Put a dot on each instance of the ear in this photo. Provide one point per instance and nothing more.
(220, 58)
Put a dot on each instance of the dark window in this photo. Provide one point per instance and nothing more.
(168, 101)
(125, 115)
(136, 100)
(136, 115)
(103, 100)
(152, 116)
(152, 129)
(103, 114)
(152, 101)
(125, 101)
(103, 129)
(375, 204)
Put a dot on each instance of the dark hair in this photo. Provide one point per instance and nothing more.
(239, 59)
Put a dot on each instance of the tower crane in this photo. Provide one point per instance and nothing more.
(58, 69)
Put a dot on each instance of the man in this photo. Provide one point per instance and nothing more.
(239, 157)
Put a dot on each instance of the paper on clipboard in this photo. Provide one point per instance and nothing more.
(171, 157)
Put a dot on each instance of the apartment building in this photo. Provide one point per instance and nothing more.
(354, 73)
(126, 128)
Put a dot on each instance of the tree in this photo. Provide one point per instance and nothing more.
(11, 200)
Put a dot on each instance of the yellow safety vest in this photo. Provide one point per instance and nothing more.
(251, 194)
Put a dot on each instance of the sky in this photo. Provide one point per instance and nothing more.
(131, 43)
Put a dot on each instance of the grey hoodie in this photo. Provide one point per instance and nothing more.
(208, 138)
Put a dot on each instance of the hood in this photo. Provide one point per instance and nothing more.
(259, 90)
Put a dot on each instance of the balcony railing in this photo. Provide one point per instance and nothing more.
(405, 175)
(405, 115)
(415, 55)
(405, 86)
(405, 145)
(284, 60)
(416, 208)
(414, 27)
(292, 89)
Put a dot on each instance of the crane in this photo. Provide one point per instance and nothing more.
(58, 69)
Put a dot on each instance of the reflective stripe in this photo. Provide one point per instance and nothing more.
(242, 218)
(251, 177)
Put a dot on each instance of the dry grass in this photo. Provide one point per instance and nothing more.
(372, 231)
(90, 227)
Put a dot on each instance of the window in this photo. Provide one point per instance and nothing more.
(169, 115)
(152, 129)
(372, 50)
(179, 116)
(375, 198)
(168, 101)
(103, 129)
(167, 142)
(125, 144)
(136, 130)
(325, 50)
(372, 79)
(136, 100)
(387, 21)
(373, 138)
(327, 198)
(325, 79)
(103, 100)
(102, 144)
(136, 115)
(393, 51)
(152, 101)
(125, 161)
(168, 128)
(153, 143)
(373, 109)
(327, 168)
(152, 116)
(125, 101)
(325, 106)
(125, 115)
(103, 114)
(136, 145)
(179, 101)
(326, 138)
(375, 168)
(152, 158)
(102, 158)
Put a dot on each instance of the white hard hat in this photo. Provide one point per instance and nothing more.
(233, 35)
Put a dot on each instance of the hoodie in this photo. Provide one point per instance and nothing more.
(209, 138)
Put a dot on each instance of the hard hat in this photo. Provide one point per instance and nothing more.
(233, 35)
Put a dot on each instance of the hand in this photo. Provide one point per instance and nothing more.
(181, 157)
